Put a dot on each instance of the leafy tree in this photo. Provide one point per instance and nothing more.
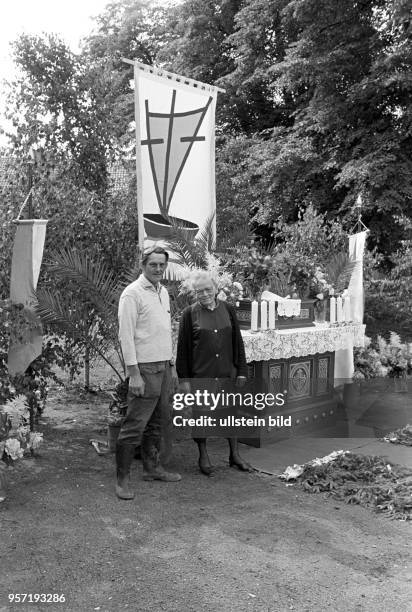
(56, 103)
(346, 69)
(389, 295)
(259, 40)
(132, 29)
(198, 47)
(322, 91)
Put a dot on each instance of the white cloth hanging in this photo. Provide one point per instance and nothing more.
(25, 270)
(355, 288)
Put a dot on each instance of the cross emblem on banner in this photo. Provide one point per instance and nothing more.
(170, 138)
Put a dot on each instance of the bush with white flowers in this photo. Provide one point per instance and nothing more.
(16, 439)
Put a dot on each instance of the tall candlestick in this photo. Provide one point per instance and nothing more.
(346, 309)
(263, 315)
(272, 316)
(339, 310)
(332, 308)
(254, 318)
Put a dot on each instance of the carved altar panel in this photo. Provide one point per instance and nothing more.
(323, 375)
(275, 377)
(299, 383)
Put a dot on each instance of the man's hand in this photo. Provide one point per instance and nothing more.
(136, 384)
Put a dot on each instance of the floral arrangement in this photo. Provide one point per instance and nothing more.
(232, 292)
(367, 362)
(253, 269)
(15, 435)
(257, 271)
(285, 273)
(319, 287)
(383, 358)
(395, 356)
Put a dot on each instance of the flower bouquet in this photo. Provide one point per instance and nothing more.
(320, 290)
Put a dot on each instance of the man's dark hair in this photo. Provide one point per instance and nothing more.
(158, 250)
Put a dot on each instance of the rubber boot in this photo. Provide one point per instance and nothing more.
(152, 470)
(124, 458)
(235, 460)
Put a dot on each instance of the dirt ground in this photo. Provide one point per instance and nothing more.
(235, 542)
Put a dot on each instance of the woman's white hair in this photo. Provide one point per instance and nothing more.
(197, 276)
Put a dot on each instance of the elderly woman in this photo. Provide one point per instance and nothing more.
(210, 346)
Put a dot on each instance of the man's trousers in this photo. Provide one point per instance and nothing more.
(148, 415)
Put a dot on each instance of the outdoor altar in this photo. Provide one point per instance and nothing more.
(306, 365)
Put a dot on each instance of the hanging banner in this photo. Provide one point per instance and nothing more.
(355, 289)
(25, 269)
(175, 152)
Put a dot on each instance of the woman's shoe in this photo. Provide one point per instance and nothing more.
(240, 464)
(206, 468)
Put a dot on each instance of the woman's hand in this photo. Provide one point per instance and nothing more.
(184, 386)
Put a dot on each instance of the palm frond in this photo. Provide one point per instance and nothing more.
(93, 277)
(339, 271)
(189, 252)
(66, 315)
(241, 236)
(130, 275)
(207, 239)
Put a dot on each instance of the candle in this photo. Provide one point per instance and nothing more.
(339, 310)
(272, 309)
(346, 309)
(332, 308)
(263, 315)
(254, 318)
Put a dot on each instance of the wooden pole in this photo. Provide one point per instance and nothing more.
(87, 368)
(30, 182)
(140, 219)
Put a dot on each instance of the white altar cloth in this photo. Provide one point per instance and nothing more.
(299, 342)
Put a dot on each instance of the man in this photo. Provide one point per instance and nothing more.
(146, 341)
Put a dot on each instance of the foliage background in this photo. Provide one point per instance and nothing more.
(317, 109)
